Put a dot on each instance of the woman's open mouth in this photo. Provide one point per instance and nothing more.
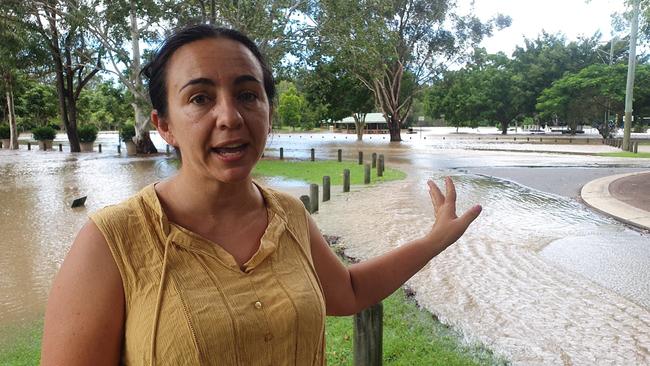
(230, 152)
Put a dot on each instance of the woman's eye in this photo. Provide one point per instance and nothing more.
(199, 99)
(247, 96)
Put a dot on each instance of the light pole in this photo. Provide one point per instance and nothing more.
(631, 69)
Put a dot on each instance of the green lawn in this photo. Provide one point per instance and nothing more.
(626, 154)
(313, 171)
(411, 337)
(25, 348)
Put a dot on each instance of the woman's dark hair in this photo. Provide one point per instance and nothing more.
(156, 69)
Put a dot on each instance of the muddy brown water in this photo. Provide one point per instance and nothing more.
(538, 278)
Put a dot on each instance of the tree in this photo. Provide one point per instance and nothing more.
(106, 106)
(291, 107)
(396, 38)
(36, 104)
(584, 97)
(75, 59)
(339, 93)
(486, 89)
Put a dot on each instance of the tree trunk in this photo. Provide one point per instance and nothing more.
(359, 124)
(504, 127)
(142, 139)
(394, 126)
(11, 112)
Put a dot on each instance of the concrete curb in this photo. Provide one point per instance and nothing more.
(597, 196)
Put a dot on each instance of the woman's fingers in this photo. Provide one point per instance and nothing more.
(436, 195)
(451, 190)
(471, 215)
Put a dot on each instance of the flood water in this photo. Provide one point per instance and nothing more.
(538, 278)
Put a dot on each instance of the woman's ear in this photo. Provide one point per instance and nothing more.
(163, 128)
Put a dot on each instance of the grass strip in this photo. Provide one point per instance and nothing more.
(412, 336)
(625, 154)
(313, 171)
(25, 347)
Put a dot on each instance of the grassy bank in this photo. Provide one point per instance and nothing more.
(313, 171)
(625, 154)
(25, 347)
(411, 337)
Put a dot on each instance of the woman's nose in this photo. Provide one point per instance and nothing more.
(227, 114)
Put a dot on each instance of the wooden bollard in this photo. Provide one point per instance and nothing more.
(570, 141)
(326, 188)
(360, 157)
(366, 174)
(167, 149)
(313, 197)
(346, 180)
(339, 153)
(374, 160)
(636, 147)
(514, 139)
(540, 139)
(29, 146)
(527, 139)
(119, 148)
(60, 147)
(305, 202)
(281, 153)
(368, 333)
(313, 154)
(380, 166)
(99, 147)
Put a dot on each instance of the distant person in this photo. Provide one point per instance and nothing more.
(208, 267)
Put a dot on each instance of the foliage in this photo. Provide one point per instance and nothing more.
(291, 107)
(105, 105)
(87, 133)
(5, 132)
(127, 132)
(395, 39)
(484, 90)
(586, 96)
(44, 133)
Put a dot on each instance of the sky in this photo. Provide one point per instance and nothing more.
(530, 17)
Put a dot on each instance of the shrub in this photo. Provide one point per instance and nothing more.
(87, 133)
(127, 132)
(55, 126)
(5, 132)
(44, 133)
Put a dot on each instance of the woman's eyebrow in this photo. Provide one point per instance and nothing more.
(245, 78)
(204, 81)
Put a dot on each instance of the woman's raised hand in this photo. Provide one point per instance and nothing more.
(448, 226)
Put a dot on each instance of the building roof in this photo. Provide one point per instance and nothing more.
(370, 118)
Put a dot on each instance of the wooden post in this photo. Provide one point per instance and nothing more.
(374, 160)
(326, 188)
(366, 174)
(99, 147)
(305, 201)
(29, 145)
(346, 180)
(368, 329)
(360, 157)
(380, 166)
(636, 147)
(119, 148)
(281, 153)
(313, 197)
(339, 153)
(313, 154)
(540, 139)
(60, 147)
(167, 149)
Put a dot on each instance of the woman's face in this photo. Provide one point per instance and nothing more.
(218, 112)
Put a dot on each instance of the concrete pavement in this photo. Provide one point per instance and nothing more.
(626, 197)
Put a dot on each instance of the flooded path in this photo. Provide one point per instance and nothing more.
(538, 278)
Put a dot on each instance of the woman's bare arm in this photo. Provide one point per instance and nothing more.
(352, 289)
(85, 310)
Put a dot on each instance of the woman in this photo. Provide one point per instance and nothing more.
(207, 267)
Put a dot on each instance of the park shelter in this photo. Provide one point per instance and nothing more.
(375, 123)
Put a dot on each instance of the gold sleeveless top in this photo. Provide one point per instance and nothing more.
(189, 303)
